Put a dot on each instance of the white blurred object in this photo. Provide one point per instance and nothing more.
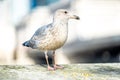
(19, 9)
(99, 18)
(7, 35)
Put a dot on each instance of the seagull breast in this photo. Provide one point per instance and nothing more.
(55, 37)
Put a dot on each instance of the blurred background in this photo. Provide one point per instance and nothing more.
(93, 39)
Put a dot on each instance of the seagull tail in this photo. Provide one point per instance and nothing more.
(27, 44)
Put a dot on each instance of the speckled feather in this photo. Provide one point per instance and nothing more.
(49, 37)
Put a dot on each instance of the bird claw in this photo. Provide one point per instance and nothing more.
(50, 68)
(58, 67)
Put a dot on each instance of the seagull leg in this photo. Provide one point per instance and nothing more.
(48, 65)
(54, 62)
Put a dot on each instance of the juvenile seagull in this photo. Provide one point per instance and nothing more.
(52, 36)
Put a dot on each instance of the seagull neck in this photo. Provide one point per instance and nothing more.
(60, 22)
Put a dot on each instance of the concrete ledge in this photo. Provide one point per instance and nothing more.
(70, 72)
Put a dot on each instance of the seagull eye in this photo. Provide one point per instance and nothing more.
(65, 12)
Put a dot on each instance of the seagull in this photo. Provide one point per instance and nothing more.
(52, 36)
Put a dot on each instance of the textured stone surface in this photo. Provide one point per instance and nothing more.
(70, 72)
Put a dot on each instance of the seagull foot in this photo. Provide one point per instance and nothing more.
(58, 67)
(50, 68)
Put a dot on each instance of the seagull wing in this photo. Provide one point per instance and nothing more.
(41, 33)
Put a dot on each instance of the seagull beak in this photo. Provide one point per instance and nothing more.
(75, 17)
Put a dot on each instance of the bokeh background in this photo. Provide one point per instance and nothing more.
(95, 38)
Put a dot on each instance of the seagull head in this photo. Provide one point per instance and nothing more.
(63, 14)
